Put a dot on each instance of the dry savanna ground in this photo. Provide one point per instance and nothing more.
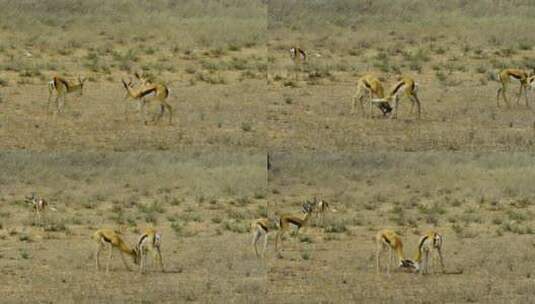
(212, 56)
(236, 95)
(453, 49)
(202, 204)
(483, 204)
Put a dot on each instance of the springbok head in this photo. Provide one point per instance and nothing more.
(383, 104)
(81, 81)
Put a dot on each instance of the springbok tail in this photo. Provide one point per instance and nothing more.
(51, 86)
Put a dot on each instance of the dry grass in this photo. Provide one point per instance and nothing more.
(205, 117)
(202, 180)
(213, 62)
(482, 203)
(199, 181)
(180, 195)
(453, 49)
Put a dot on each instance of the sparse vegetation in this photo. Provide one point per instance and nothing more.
(203, 179)
(459, 194)
(127, 191)
(453, 72)
(105, 43)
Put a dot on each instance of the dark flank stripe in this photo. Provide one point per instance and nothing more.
(105, 238)
(293, 221)
(143, 237)
(396, 89)
(386, 239)
(65, 83)
(147, 92)
(303, 54)
(367, 84)
(166, 92)
(263, 227)
(422, 241)
(516, 76)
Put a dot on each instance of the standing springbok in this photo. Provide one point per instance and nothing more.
(111, 238)
(260, 228)
(299, 57)
(38, 204)
(321, 207)
(297, 220)
(147, 93)
(505, 77)
(62, 88)
(388, 240)
(149, 242)
(429, 247)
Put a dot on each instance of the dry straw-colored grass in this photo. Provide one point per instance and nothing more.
(210, 54)
(202, 204)
(452, 48)
(481, 203)
(201, 180)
